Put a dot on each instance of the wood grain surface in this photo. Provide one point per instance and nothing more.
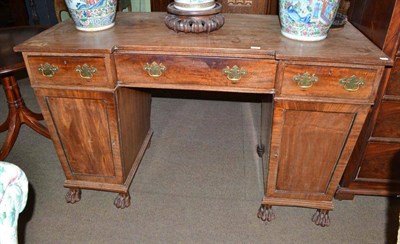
(242, 35)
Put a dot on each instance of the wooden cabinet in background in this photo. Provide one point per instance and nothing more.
(230, 6)
(250, 6)
(13, 13)
(374, 168)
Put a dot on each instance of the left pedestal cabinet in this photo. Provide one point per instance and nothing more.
(79, 102)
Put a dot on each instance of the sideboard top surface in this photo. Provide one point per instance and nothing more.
(242, 35)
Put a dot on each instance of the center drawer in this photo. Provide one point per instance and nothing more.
(197, 73)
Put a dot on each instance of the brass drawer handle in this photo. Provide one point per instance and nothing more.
(48, 70)
(351, 83)
(154, 69)
(85, 71)
(234, 74)
(305, 80)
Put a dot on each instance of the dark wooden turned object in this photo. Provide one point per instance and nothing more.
(10, 63)
(194, 21)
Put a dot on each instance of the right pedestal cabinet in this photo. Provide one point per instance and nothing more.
(374, 168)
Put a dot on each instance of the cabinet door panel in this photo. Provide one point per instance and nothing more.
(83, 129)
(312, 144)
(310, 147)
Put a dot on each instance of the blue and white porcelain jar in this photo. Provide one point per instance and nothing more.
(194, 5)
(92, 15)
(307, 20)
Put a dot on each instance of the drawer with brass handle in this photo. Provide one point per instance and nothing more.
(154, 69)
(328, 81)
(182, 72)
(69, 71)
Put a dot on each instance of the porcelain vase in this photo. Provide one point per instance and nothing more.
(194, 5)
(92, 15)
(307, 20)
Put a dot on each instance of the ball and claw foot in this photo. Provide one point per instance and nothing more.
(73, 195)
(321, 218)
(265, 213)
(123, 200)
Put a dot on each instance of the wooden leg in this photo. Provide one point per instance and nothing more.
(73, 195)
(123, 200)
(18, 114)
(4, 126)
(30, 119)
(12, 133)
(265, 213)
(321, 217)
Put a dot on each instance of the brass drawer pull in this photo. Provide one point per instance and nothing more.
(154, 69)
(351, 83)
(85, 71)
(48, 70)
(234, 74)
(305, 80)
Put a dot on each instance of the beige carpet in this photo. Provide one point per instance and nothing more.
(200, 182)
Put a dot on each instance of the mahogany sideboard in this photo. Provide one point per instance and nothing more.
(90, 90)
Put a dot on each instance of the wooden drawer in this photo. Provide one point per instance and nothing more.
(388, 120)
(197, 73)
(381, 163)
(65, 71)
(393, 87)
(296, 77)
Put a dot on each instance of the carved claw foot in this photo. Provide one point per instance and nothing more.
(73, 195)
(321, 218)
(265, 213)
(123, 200)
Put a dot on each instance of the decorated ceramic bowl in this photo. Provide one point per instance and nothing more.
(307, 20)
(92, 15)
(194, 5)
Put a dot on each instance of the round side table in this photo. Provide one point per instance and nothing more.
(10, 63)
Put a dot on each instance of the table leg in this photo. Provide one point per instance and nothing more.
(4, 126)
(18, 114)
(12, 133)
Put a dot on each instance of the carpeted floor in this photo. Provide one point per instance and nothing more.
(199, 182)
